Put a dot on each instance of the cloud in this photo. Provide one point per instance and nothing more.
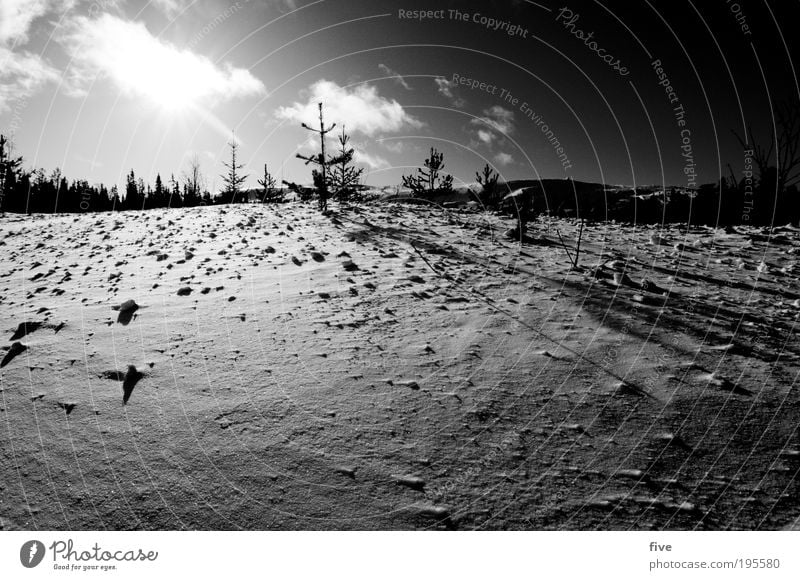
(398, 78)
(394, 146)
(372, 161)
(445, 88)
(16, 17)
(497, 118)
(21, 75)
(485, 136)
(361, 109)
(140, 64)
(503, 158)
(171, 7)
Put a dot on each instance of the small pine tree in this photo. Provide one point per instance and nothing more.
(156, 198)
(490, 193)
(234, 180)
(114, 199)
(345, 178)
(430, 180)
(132, 199)
(175, 199)
(270, 194)
(321, 176)
(9, 172)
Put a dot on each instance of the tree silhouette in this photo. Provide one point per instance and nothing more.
(158, 197)
(132, 198)
(175, 199)
(9, 173)
(116, 205)
(193, 182)
(345, 178)
(234, 180)
(429, 180)
(490, 196)
(270, 193)
(778, 165)
(321, 176)
(784, 145)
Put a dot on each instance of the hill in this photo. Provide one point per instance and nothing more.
(394, 367)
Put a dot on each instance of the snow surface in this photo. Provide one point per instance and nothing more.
(394, 367)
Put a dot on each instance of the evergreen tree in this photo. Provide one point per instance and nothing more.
(157, 198)
(345, 178)
(490, 193)
(9, 173)
(321, 176)
(429, 181)
(175, 199)
(115, 203)
(132, 200)
(234, 180)
(270, 194)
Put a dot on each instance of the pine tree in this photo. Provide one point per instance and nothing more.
(489, 191)
(142, 193)
(345, 178)
(234, 180)
(175, 199)
(9, 173)
(270, 195)
(321, 176)
(156, 198)
(114, 198)
(132, 200)
(429, 180)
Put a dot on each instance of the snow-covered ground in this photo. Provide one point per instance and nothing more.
(394, 367)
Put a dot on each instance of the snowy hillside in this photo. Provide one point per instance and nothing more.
(394, 367)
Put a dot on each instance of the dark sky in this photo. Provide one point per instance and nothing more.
(100, 88)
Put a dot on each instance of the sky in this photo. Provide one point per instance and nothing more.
(621, 92)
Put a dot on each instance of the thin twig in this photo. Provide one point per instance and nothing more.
(578, 247)
(424, 259)
(563, 245)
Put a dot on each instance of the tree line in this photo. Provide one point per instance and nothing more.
(37, 191)
(767, 195)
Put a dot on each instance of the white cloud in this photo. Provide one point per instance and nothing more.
(171, 7)
(21, 75)
(497, 118)
(16, 17)
(361, 109)
(503, 158)
(398, 78)
(485, 136)
(394, 146)
(140, 64)
(373, 161)
(445, 88)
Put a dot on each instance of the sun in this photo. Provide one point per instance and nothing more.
(168, 83)
(152, 69)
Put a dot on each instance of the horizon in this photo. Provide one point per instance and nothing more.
(98, 89)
